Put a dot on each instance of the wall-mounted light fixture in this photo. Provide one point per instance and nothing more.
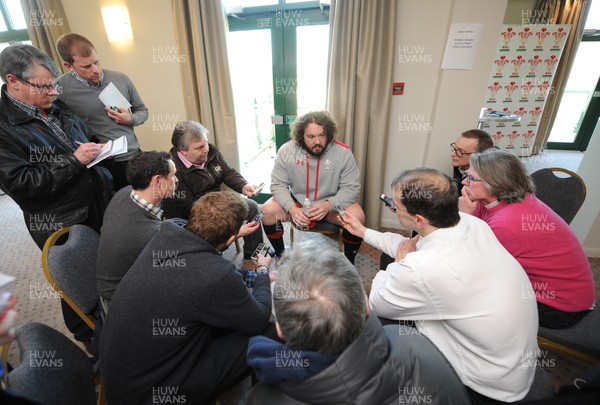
(116, 23)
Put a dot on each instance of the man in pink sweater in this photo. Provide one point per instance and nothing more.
(498, 190)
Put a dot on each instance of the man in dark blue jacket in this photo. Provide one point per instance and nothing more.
(334, 351)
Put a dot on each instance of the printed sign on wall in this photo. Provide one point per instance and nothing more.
(520, 81)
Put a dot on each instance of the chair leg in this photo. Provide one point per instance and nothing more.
(237, 247)
(340, 240)
(291, 234)
(101, 393)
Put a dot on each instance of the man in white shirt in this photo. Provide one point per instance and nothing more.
(464, 291)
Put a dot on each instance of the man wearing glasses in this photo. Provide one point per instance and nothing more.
(462, 289)
(44, 149)
(469, 142)
(81, 88)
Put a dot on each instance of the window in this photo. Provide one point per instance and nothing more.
(13, 27)
(278, 62)
(578, 111)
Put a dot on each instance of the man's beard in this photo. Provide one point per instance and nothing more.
(311, 152)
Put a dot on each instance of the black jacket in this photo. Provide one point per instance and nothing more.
(43, 176)
(182, 279)
(194, 182)
(382, 366)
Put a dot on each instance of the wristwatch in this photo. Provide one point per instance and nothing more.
(262, 269)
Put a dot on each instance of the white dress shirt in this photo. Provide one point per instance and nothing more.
(471, 298)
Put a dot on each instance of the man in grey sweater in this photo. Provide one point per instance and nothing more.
(80, 90)
(315, 166)
(132, 218)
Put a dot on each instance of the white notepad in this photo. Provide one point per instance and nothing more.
(112, 97)
(110, 148)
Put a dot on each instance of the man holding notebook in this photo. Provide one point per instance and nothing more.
(81, 90)
(44, 150)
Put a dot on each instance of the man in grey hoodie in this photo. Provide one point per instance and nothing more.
(313, 166)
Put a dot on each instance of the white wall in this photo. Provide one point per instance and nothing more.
(437, 104)
(587, 222)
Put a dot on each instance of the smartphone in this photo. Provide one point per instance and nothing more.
(115, 109)
(340, 210)
(262, 250)
(258, 189)
(388, 202)
(259, 217)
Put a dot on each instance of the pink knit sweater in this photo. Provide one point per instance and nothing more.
(547, 249)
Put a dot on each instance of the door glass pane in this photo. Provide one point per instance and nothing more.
(249, 3)
(251, 69)
(6, 44)
(593, 19)
(16, 14)
(578, 92)
(312, 48)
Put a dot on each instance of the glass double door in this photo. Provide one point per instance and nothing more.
(579, 108)
(278, 64)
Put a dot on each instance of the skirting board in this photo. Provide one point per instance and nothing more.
(592, 252)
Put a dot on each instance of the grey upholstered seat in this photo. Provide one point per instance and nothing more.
(564, 195)
(542, 387)
(583, 337)
(52, 370)
(71, 269)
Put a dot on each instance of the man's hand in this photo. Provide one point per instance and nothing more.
(248, 229)
(298, 217)
(248, 190)
(465, 204)
(319, 210)
(86, 152)
(265, 259)
(124, 117)
(353, 225)
(407, 246)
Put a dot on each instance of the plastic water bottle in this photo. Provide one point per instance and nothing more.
(306, 209)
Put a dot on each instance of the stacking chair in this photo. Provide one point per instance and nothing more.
(324, 227)
(565, 195)
(52, 370)
(581, 341)
(70, 268)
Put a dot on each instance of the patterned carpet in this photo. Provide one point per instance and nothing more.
(38, 302)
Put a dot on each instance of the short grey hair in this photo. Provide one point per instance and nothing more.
(319, 299)
(504, 175)
(20, 60)
(187, 132)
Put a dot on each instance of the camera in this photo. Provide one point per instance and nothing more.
(262, 250)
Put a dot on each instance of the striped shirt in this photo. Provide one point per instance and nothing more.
(82, 80)
(52, 121)
(151, 208)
